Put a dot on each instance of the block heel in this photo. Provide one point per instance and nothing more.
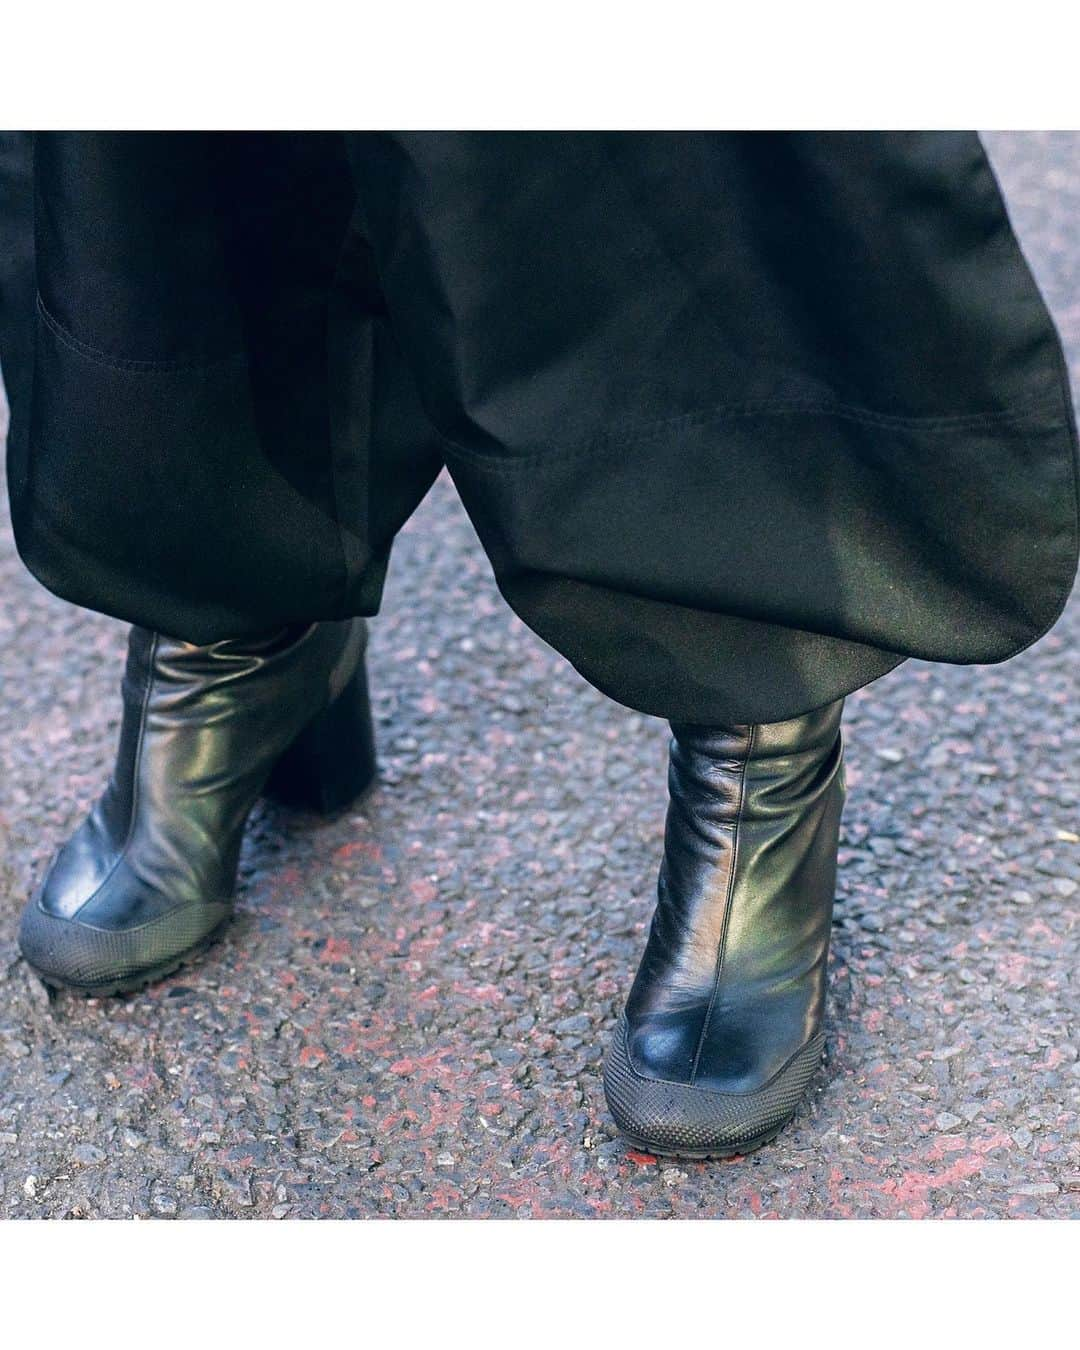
(332, 761)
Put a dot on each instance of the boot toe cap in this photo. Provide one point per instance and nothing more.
(677, 1118)
(71, 954)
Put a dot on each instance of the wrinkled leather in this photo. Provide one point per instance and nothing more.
(202, 728)
(732, 983)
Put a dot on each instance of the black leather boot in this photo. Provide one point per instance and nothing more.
(722, 1030)
(147, 880)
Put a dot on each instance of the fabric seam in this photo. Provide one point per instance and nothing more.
(639, 433)
(102, 358)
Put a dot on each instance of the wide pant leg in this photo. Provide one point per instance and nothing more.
(225, 438)
(741, 421)
(16, 291)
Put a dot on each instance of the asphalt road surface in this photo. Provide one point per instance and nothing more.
(409, 1014)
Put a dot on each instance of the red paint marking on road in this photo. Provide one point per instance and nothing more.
(444, 1107)
(396, 1117)
(426, 1066)
(444, 1197)
(480, 993)
(910, 1192)
(1012, 968)
(943, 1145)
(642, 1159)
(992, 1142)
(365, 848)
(144, 1080)
(1040, 929)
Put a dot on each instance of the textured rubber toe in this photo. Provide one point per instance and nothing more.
(676, 1118)
(72, 955)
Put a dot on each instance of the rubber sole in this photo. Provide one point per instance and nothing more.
(328, 767)
(706, 1155)
(132, 984)
(674, 1119)
(139, 980)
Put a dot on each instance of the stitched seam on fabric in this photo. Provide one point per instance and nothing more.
(125, 363)
(640, 433)
(729, 900)
(137, 761)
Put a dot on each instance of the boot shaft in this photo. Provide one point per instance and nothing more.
(739, 941)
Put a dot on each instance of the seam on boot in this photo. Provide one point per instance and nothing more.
(136, 763)
(728, 903)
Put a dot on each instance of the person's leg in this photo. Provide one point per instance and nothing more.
(723, 1027)
(741, 421)
(148, 878)
(200, 462)
(16, 289)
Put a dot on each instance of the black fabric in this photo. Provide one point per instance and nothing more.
(741, 419)
(16, 292)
